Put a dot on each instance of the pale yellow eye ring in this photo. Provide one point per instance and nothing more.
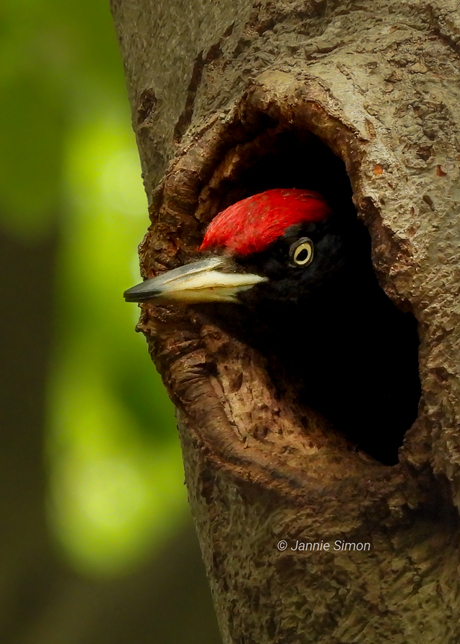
(302, 254)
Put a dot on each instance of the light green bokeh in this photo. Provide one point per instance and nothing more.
(69, 167)
(116, 489)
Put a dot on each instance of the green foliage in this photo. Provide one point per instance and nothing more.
(68, 159)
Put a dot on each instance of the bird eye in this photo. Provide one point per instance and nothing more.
(301, 252)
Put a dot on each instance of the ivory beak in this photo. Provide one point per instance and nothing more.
(214, 279)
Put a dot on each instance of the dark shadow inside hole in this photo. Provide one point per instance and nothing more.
(291, 159)
(346, 350)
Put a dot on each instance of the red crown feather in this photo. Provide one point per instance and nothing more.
(250, 225)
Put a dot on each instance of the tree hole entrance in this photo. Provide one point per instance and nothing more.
(347, 352)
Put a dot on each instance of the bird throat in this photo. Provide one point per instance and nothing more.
(345, 351)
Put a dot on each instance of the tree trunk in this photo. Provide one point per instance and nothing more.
(227, 97)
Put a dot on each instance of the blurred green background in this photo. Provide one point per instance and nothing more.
(79, 390)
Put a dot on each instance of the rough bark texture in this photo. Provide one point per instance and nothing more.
(215, 88)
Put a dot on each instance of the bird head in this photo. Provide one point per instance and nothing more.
(279, 245)
(284, 274)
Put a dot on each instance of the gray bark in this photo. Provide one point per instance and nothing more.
(212, 85)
